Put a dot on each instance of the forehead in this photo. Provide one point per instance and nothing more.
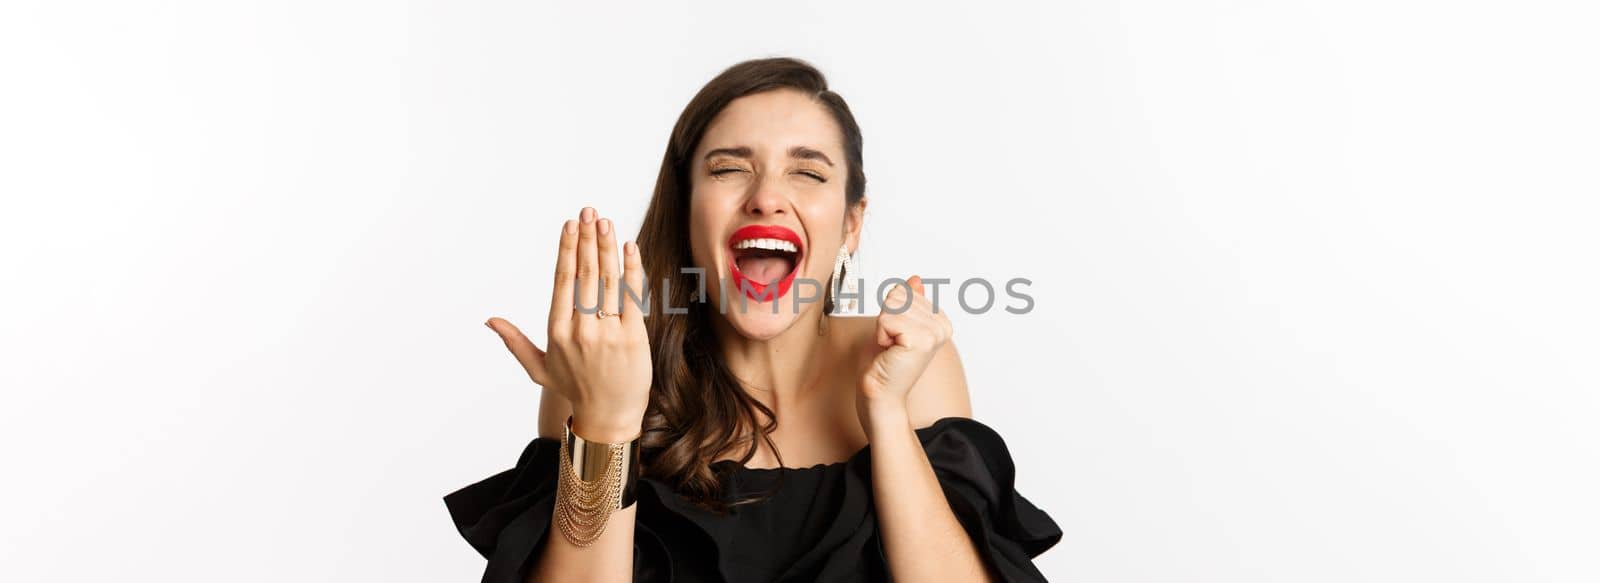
(774, 121)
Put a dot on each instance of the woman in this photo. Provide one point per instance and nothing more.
(724, 435)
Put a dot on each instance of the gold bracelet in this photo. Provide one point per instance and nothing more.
(595, 479)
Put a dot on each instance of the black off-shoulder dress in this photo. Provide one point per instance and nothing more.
(817, 523)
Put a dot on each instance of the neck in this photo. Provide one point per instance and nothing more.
(779, 370)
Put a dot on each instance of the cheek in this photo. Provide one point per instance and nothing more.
(823, 206)
(707, 217)
(824, 221)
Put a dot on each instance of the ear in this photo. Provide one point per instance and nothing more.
(853, 217)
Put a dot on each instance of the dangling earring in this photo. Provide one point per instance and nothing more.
(844, 265)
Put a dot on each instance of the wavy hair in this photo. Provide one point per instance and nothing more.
(698, 409)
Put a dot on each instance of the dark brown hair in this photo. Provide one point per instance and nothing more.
(698, 409)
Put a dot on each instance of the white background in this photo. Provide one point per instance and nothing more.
(1315, 281)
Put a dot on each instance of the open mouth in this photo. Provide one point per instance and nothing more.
(764, 256)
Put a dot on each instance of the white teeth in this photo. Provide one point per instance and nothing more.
(773, 244)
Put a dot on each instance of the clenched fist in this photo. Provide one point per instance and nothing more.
(908, 340)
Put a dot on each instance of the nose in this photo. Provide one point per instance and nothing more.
(768, 200)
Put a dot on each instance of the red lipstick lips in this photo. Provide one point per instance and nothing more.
(752, 288)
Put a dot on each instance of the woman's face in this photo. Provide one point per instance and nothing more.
(767, 209)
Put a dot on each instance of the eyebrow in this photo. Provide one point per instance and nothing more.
(800, 152)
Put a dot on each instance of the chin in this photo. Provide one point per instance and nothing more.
(758, 322)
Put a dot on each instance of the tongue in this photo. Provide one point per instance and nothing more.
(765, 270)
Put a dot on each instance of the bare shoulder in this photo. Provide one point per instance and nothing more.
(942, 390)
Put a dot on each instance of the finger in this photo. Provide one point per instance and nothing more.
(610, 272)
(892, 319)
(898, 301)
(633, 278)
(916, 284)
(588, 265)
(529, 355)
(925, 301)
(566, 275)
(885, 337)
(927, 323)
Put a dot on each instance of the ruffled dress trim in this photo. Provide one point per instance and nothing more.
(505, 517)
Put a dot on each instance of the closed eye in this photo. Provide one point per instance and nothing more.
(807, 173)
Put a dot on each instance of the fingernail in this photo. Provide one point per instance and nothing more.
(486, 324)
(605, 226)
(587, 215)
(571, 227)
(630, 248)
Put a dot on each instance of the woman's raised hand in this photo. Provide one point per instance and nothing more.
(908, 337)
(599, 360)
